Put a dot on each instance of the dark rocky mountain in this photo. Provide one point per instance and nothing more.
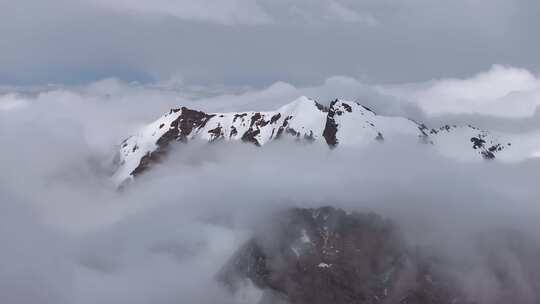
(326, 255)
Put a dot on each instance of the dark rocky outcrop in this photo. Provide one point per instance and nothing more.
(179, 130)
(326, 255)
(331, 127)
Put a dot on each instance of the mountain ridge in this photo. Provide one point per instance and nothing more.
(342, 123)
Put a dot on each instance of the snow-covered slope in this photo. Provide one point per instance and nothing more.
(349, 123)
(343, 123)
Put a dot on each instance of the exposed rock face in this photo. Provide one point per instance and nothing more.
(328, 256)
(343, 123)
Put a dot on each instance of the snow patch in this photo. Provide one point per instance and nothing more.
(324, 265)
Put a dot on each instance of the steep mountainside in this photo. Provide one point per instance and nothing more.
(325, 255)
(342, 123)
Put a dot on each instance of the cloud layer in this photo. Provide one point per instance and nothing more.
(502, 91)
(257, 43)
(70, 237)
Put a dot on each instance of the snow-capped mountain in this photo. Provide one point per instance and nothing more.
(342, 123)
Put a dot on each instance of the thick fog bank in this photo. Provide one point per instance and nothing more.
(68, 235)
(72, 238)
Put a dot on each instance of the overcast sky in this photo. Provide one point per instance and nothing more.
(257, 42)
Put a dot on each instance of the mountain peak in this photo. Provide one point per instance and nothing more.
(342, 123)
(299, 104)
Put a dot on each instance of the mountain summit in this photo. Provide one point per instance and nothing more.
(342, 123)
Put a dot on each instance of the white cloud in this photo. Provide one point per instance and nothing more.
(69, 237)
(244, 12)
(343, 13)
(502, 91)
(218, 11)
(11, 102)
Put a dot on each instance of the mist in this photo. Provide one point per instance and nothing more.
(69, 235)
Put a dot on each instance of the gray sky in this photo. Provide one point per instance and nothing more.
(256, 43)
